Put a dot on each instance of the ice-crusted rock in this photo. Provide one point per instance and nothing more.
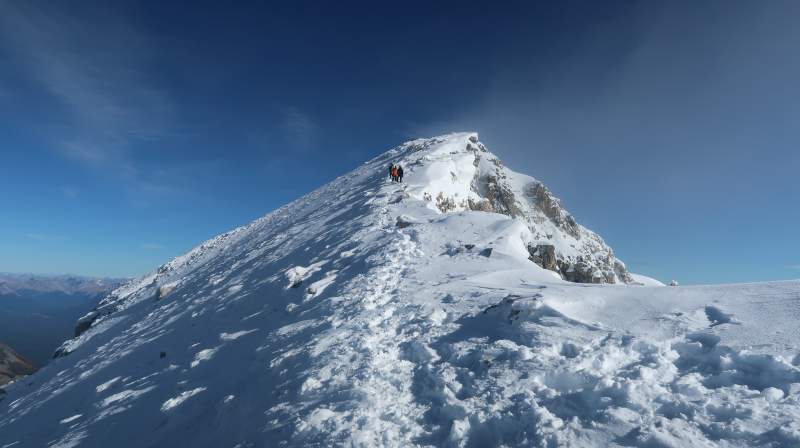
(457, 172)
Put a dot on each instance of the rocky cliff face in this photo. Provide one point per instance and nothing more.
(466, 176)
(13, 365)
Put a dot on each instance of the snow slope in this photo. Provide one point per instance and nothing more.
(362, 315)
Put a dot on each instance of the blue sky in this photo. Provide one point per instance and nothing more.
(131, 132)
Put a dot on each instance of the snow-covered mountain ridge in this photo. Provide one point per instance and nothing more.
(14, 284)
(364, 315)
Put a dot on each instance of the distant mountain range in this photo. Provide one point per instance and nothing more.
(21, 284)
(38, 312)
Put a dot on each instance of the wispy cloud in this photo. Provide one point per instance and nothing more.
(795, 267)
(45, 237)
(299, 129)
(95, 67)
(70, 192)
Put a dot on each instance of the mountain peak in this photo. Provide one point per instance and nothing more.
(435, 311)
(456, 172)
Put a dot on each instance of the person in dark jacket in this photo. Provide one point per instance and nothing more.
(391, 171)
(399, 173)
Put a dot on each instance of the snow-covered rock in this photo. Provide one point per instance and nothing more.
(326, 323)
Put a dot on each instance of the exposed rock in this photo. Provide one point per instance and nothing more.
(551, 207)
(581, 272)
(482, 205)
(445, 204)
(500, 198)
(544, 255)
(85, 322)
(164, 290)
(578, 254)
(13, 365)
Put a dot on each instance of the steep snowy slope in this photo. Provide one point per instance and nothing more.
(364, 315)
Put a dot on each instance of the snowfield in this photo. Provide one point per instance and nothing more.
(364, 315)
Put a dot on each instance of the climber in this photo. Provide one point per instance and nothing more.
(399, 173)
(394, 173)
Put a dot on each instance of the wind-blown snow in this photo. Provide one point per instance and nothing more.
(177, 401)
(434, 329)
(645, 280)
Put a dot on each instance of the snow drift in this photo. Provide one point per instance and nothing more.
(370, 313)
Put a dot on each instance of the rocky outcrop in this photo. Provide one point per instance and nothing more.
(501, 198)
(551, 207)
(13, 365)
(480, 182)
(544, 255)
(583, 272)
(586, 260)
(103, 309)
(580, 271)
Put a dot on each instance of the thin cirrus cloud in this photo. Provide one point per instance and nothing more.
(70, 192)
(98, 79)
(299, 129)
(45, 237)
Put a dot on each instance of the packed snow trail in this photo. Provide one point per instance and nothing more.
(370, 313)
